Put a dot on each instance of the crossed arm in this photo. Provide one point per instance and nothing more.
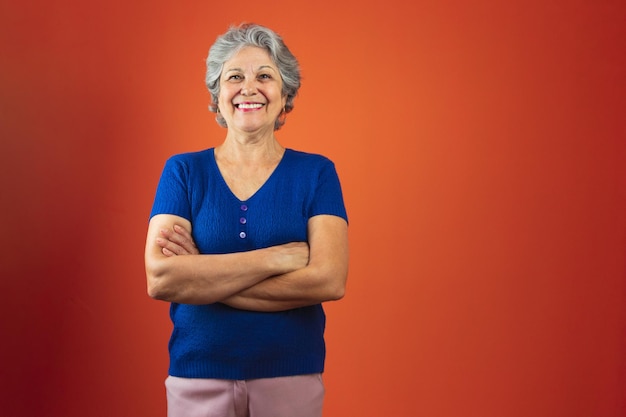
(271, 279)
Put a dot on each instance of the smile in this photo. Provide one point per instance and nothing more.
(249, 106)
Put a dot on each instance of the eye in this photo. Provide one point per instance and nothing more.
(265, 76)
(234, 77)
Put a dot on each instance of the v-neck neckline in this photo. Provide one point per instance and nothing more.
(258, 190)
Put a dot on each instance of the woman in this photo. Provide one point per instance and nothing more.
(246, 240)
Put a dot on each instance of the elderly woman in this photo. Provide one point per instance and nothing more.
(246, 240)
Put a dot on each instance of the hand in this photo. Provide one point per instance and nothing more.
(176, 241)
(294, 255)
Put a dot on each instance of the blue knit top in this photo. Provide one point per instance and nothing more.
(218, 341)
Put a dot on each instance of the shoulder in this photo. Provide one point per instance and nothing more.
(190, 158)
(189, 162)
(301, 158)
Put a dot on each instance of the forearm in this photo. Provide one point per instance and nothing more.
(322, 279)
(304, 287)
(205, 279)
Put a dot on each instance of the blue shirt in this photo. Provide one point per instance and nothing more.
(218, 341)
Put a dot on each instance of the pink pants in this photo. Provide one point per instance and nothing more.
(292, 396)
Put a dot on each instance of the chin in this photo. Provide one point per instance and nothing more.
(254, 127)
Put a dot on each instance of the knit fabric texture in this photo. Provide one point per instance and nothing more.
(215, 340)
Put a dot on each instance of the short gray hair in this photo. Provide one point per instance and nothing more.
(249, 34)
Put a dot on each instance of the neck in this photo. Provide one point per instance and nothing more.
(250, 148)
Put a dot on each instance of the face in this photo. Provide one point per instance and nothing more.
(250, 96)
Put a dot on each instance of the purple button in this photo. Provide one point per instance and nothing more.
(243, 220)
(244, 207)
(242, 235)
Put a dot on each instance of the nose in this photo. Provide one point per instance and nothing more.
(248, 88)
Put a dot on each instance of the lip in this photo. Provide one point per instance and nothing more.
(249, 106)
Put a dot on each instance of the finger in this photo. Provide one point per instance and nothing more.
(186, 240)
(167, 252)
(172, 247)
(185, 235)
(183, 240)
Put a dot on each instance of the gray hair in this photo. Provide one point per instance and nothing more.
(238, 37)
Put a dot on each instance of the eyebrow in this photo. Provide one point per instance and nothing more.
(237, 69)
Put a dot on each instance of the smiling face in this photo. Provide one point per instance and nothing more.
(250, 98)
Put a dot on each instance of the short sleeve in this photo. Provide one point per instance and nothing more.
(172, 196)
(328, 197)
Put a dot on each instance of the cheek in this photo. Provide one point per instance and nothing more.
(226, 92)
(224, 98)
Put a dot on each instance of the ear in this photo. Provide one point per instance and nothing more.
(284, 101)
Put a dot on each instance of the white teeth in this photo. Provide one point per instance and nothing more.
(250, 106)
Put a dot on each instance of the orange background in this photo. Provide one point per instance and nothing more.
(481, 148)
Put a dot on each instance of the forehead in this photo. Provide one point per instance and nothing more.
(249, 57)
